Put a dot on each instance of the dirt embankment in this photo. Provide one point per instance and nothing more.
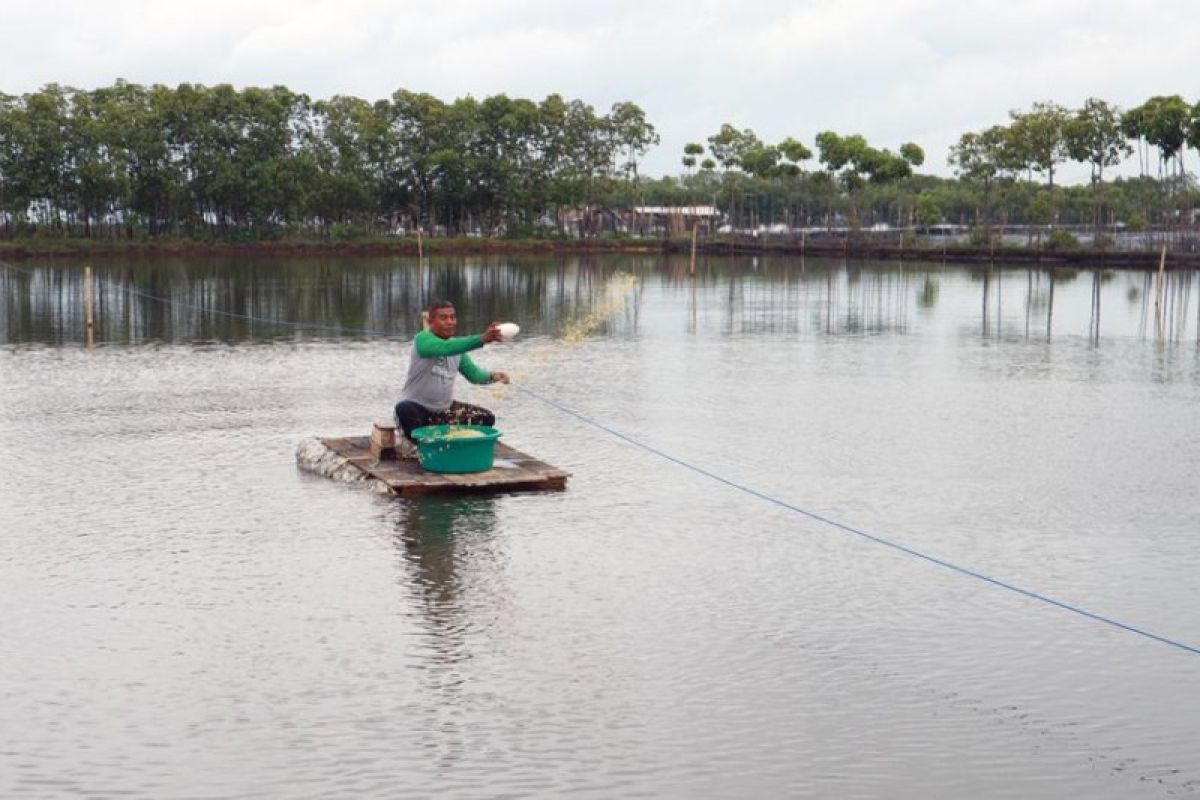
(20, 249)
(81, 248)
(868, 251)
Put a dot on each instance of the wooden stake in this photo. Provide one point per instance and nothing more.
(693, 328)
(88, 302)
(1158, 290)
(693, 248)
(420, 253)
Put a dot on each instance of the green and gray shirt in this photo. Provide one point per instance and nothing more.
(433, 364)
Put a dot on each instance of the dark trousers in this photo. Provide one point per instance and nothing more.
(410, 416)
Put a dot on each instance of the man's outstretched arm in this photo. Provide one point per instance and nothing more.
(430, 345)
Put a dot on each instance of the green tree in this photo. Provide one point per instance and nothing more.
(417, 134)
(854, 163)
(795, 151)
(633, 135)
(1135, 126)
(1167, 121)
(729, 145)
(927, 210)
(760, 160)
(1038, 138)
(341, 154)
(1094, 136)
(1040, 210)
(980, 158)
(10, 114)
(155, 184)
(1194, 127)
(730, 148)
(39, 170)
(912, 153)
(98, 185)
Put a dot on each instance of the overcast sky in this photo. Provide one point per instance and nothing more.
(892, 70)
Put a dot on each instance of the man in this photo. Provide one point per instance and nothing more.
(437, 356)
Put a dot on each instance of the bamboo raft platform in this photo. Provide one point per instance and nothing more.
(373, 462)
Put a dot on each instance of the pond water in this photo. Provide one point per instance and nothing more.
(189, 615)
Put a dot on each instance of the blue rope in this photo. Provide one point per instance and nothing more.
(970, 573)
(863, 534)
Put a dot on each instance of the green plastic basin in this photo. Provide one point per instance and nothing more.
(456, 448)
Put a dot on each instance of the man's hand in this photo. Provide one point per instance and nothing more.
(492, 334)
(499, 377)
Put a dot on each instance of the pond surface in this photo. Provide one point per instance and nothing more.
(188, 615)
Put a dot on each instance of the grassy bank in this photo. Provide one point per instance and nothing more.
(17, 249)
(21, 249)
(970, 253)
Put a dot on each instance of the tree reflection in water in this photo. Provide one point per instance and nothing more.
(223, 299)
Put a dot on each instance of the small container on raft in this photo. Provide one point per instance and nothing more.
(456, 448)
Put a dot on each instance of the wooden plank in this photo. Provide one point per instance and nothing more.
(489, 478)
(343, 447)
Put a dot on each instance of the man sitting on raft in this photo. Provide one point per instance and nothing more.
(437, 356)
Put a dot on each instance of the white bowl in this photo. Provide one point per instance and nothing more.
(508, 331)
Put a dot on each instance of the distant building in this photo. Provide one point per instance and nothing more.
(584, 221)
(671, 219)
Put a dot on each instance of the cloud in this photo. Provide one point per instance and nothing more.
(919, 70)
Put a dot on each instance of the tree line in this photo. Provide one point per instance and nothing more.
(202, 162)
(1005, 174)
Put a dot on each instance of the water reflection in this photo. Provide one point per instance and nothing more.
(227, 300)
(794, 295)
(445, 546)
(1174, 300)
(452, 585)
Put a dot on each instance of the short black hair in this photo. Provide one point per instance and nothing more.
(436, 304)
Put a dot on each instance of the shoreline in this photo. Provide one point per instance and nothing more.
(958, 254)
(22, 250)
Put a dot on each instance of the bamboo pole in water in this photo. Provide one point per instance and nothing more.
(88, 303)
(1050, 308)
(1158, 291)
(421, 274)
(694, 303)
(693, 267)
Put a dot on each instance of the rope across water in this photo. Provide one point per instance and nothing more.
(849, 529)
(970, 573)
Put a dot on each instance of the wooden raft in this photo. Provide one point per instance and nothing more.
(513, 471)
